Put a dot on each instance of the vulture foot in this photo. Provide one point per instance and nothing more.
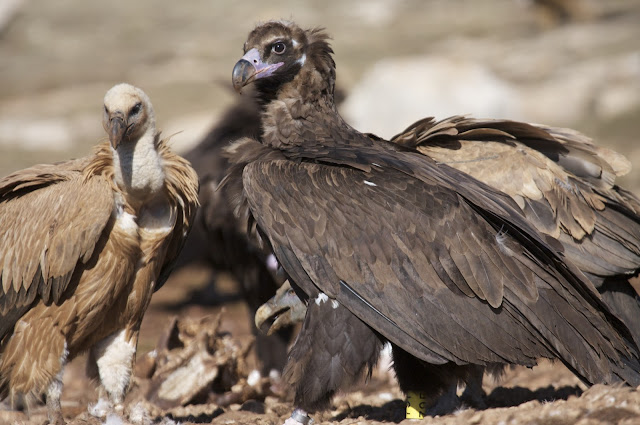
(299, 417)
(446, 403)
(101, 409)
(104, 409)
(55, 419)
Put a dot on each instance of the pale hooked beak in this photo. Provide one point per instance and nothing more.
(251, 68)
(116, 129)
(283, 309)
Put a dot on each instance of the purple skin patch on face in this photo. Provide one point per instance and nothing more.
(262, 69)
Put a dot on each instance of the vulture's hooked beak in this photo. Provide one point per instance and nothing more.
(271, 317)
(251, 68)
(116, 129)
(283, 309)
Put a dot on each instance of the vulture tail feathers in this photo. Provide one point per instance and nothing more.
(343, 348)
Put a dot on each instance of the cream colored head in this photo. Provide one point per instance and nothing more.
(127, 115)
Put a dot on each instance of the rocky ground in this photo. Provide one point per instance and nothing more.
(207, 350)
(398, 60)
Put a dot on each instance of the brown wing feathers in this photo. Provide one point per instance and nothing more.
(562, 182)
(408, 273)
(39, 246)
(182, 185)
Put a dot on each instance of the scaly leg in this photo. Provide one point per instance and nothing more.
(473, 394)
(54, 409)
(114, 357)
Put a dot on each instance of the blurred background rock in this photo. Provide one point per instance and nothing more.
(572, 63)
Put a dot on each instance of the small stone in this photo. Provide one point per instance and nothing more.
(253, 406)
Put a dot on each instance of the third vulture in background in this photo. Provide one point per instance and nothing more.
(388, 245)
(218, 239)
(564, 185)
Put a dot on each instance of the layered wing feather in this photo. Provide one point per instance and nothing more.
(562, 182)
(51, 218)
(437, 272)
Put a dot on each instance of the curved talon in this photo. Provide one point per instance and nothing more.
(100, 409)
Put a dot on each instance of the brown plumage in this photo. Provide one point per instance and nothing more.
(564, 185)
(388, 245)
(83, 245)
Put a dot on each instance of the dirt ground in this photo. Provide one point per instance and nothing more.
(58, 58)
(546, 394)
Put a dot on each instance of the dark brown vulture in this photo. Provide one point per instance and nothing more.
(388, 245)
(564, 186)
(83, 245)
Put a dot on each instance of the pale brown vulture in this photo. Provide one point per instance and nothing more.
(284, 309)
(83, 245)
(388, 245)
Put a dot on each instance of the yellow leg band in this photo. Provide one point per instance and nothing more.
(416, 405)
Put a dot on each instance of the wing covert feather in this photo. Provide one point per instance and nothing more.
(182, 187)
(562, 182)
(51, 218)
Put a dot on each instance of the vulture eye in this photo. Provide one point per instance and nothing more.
(136, 108)
(106, 111)
(278, 48)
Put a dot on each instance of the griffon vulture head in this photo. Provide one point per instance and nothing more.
(127, 114)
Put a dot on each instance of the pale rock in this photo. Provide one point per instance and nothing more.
(35, 134)
(397, 92)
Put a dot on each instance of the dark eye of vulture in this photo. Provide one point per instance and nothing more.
(388, 245)
(136, 109)
(278, 48)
